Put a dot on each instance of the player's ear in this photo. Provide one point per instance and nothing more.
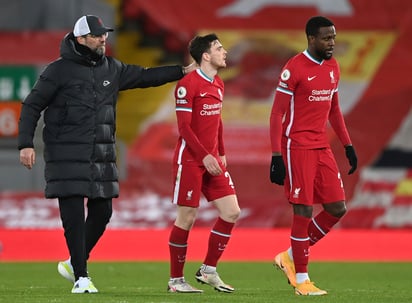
(311, 39)
(206, 56)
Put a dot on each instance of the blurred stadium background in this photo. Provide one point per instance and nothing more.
(373, 47)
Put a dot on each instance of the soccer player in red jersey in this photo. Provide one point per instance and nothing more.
(306, 99)
(199, 165)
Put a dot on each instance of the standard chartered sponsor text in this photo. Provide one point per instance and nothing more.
(321, 95)
(211, 109)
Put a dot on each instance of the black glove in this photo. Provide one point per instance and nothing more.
(277, 170)
(353, 160)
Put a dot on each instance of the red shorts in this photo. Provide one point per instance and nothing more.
(192, 180)
(312, 176)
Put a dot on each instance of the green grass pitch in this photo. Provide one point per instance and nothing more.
(124, 282)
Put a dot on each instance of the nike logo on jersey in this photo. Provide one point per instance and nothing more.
(311, 78)
(106, 82)
(203, 94)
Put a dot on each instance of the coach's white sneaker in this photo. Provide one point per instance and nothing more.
(65, 269)
(84, 285)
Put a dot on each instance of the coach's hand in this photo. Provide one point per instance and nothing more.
(277, 170)
(353, 160)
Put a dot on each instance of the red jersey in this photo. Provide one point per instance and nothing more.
(306, 99)
(198, 111)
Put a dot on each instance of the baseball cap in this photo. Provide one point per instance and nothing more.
(90, 24)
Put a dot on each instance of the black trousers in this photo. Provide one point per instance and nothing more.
(82, 232)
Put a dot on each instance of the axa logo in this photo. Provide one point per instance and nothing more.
(106, 83)
(296, 192)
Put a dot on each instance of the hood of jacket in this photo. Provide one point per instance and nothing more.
(71, 50)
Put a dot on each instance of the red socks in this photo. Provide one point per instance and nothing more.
(300, 243)
(320, 226)
(177, 247)
(306, 232)
(219, 237)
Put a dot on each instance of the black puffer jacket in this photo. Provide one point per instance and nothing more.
(79, 96)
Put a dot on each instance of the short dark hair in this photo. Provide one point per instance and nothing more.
(314, 23)
(201, 44)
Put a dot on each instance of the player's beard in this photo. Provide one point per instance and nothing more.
(219, 65)
(326, 54)
(222, 64)
(100, 50)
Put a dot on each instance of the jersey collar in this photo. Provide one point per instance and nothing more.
(306, 53)
(203, 75)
